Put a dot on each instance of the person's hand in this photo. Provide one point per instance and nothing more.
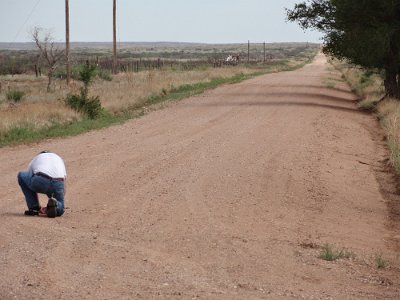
(43, 212)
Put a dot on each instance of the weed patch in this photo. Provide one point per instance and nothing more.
(15, 95)
(380, 262)
(329, 254)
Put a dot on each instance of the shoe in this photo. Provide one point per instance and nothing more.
(31, 212)
(51, 210)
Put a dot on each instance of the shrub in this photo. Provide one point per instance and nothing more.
(89, 106)
(86, 74)
(15, 95)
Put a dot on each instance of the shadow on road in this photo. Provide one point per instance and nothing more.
(287, 104)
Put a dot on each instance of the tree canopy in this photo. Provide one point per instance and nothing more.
(365, 32)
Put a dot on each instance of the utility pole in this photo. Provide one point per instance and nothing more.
(114, 36)
(248, 51)
(67, 41)
(264, 52)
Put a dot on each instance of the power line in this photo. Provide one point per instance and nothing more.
(26, 21)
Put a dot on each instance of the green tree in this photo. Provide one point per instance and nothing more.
(89, 106)
(366, 33)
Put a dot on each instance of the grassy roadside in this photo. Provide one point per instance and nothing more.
(369, 86)
(26, 132)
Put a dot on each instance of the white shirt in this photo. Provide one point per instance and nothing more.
(48, 163)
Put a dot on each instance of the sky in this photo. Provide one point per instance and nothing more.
(202, 21)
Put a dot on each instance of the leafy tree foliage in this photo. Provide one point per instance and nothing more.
(365, 32)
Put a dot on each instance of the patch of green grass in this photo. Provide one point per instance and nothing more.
(27, 133)
(380, 262)
(15, 95)
(329, 254)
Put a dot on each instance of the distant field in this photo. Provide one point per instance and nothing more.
(21, 58)
(165, 71)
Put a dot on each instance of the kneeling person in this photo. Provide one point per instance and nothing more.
(46, 174)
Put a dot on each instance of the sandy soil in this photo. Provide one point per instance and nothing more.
(227, 195)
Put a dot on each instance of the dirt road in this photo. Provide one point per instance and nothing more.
(227, 195)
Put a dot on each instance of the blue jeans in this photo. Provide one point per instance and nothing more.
(32, 184)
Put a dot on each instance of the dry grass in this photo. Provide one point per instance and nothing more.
(127, 89)
(39, 108)
(37, 114)
(133, 88)
(389, 114)
(367, 86)
(370, 88)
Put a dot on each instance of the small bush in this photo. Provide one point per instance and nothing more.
(15, 95)
(89, 106)
(92, 107)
